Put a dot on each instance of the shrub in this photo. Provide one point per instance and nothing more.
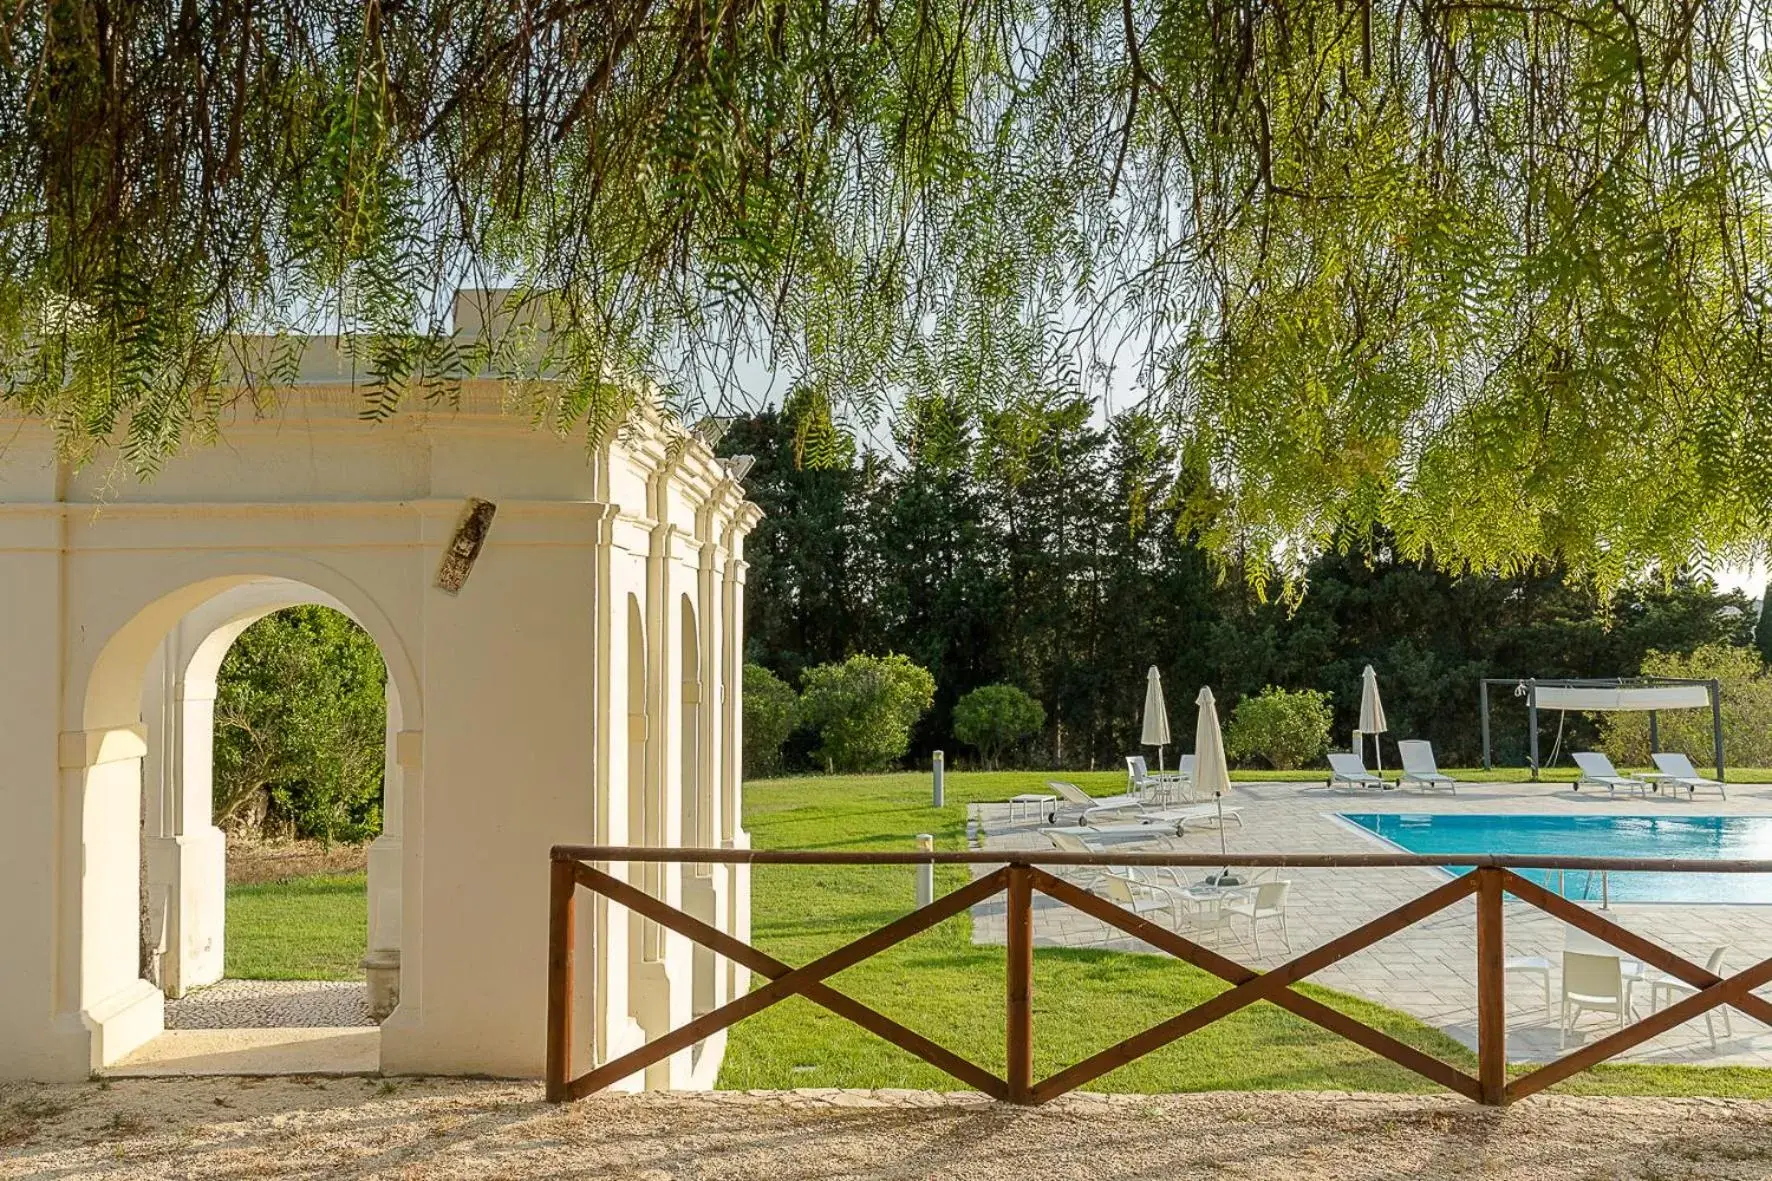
(1281, 727)
(771, 711)
(996, 718)
(300, 727)
(864, 708)
(1747, 711)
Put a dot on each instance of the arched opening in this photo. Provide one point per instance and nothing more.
(647, 988)
(689, 753)
(144, 867)
(698, 880)
(267, 716)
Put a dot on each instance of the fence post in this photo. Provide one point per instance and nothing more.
(562, 901)
(1491, 990)
(925, 871)
(941, 788)
(1020, 942)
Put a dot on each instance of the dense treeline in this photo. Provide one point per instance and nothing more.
(1050, 550)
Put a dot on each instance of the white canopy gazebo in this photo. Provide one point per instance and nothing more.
(1609, 694)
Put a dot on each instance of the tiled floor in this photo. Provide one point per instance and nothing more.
(271, 1004)
(1427, 969)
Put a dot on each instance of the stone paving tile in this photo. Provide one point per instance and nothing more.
(271, 1004)
(1427, 969)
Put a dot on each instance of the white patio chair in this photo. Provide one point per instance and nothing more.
(1598, 770)
(1095, 807)
(1592, 983)
(1142, 898)
(1163, 875)
(1345, 768)
(1179, 787)
(1681, 773)
(1065, 842)
(1265, 903)
(1633, 971)
(1673, 989)
(1154, 788)
(1420, 769)
(1537, 966)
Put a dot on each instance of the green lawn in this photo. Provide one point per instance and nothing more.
(947, 989)
(312, 928)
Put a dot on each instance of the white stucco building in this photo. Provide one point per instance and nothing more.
(583, 686)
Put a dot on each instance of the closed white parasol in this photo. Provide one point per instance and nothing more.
(1372, 714)
(1156, 715)
(1211, 772)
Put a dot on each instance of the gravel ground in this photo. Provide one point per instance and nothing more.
(422, 1129)
(271, 1004)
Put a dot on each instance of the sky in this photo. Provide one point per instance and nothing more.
(1749, 580)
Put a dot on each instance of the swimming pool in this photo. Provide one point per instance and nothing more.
(1697, 837)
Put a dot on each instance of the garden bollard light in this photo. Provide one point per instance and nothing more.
(940, 775)
(925, 872)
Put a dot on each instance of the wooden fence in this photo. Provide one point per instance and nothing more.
(1020, 875)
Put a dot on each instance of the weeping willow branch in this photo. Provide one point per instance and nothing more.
(1491, 276)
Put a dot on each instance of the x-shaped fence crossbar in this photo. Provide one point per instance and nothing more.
(1022, 876)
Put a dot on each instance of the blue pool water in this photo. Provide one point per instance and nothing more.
(1697, 837)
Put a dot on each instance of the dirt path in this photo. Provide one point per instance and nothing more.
(313, 1128)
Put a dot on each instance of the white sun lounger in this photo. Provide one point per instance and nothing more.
(1095, 837)
(1420, 769)
(1096, 809)
(1598, 770)
(1681, 773)
(1197, 815)
(1345, 768)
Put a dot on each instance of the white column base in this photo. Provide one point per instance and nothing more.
(707, 1063)
(125, 1021)
(627, 1038)
(187, 896)
(659, 993)
(381, 973)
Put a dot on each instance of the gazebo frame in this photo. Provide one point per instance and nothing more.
(1531, 685)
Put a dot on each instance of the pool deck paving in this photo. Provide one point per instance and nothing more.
(1428, 970)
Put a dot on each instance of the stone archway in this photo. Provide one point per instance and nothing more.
(185, 853)
(515, 729)
(104, 777)
(697, 886)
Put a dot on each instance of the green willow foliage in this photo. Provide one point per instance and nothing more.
(1488, 274)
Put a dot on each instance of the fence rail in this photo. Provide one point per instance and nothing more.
(1020, 875)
